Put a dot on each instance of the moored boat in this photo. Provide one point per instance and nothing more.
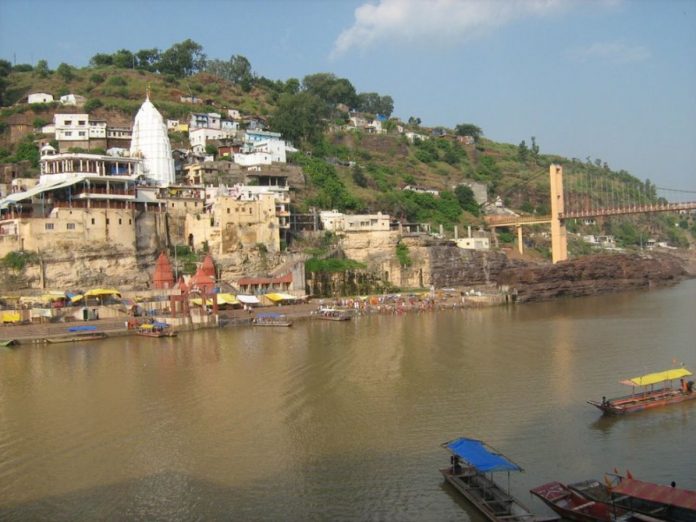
(89, 336)
(572, 505)
(271, 319)
(155, 330)
(642, 499)
(648, 395)
(471, 460)
(333, 314)
(8, 342)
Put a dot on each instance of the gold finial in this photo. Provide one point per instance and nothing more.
(147, 91)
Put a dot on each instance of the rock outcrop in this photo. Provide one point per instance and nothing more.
(593, 275)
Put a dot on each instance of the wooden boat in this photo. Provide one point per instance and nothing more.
(572, 505)
(470, 461)
(642, 499)
(88, 336)
(271, 319)
(648, 396)
(155, 330)
(333, 314)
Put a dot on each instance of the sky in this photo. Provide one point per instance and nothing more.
(613, 80)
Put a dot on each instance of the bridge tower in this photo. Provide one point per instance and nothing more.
(559, 236)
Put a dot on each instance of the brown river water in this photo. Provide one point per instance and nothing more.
(340, 420)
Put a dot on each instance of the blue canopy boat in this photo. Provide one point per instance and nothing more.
(471, 461)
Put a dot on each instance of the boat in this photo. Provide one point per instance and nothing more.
(88, 336)
(333, 314)
(8, 342)
(155, 330)
(271, 319)
(641, 499)
(573, 505)
(471, 460)
(648, 395)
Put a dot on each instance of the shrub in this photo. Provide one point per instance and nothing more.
(117, 81)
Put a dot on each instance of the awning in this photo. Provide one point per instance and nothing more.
(654, 378)
(248, 299)
(228, 299)
(683, 498)
(482, 457)
(279, 296)
(99, 292)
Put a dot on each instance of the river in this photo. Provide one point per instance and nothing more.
(340, 421)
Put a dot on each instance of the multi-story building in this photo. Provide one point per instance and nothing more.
(335, 221)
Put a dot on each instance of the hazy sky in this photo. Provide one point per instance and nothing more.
(614, 80)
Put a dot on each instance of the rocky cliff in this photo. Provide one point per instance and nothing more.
(593, 275)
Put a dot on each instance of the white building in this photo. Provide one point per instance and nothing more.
(71, 127)
(234, 114)
(97, 129)
(473, 243)
(40, 97)
(73, 99)
(334, 221)
(199, 138)
(261, 148)
(151, 142)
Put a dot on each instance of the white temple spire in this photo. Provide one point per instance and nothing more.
(151, 142)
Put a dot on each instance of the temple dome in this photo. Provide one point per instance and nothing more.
(151, 142)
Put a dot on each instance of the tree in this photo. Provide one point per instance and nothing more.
(101, 60)
(465, 197)
(522, 151)
(182, 59)
(299, 117)
(413, 120)
(292, 86)
(373, 103)
(469, 129)
(5, 68)
(147, 59)
(359, 176)
(535, 149)
(123, 59)
(237, 70)
(330, 89)
(41, 69)
(66, 72)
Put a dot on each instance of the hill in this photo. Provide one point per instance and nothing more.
(349, 170)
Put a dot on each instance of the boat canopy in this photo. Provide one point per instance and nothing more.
(248, 299)
(270, 315)
(683, 498)
(480, 456)
(654, 378)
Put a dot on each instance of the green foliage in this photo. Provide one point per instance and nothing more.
(332, 193)
(26, 151)
(468, 129)
(522, 152)
(92, 104)
(465, 197)
(66, 72)
(117, 81)
(39, 122)
(17, 260)
(330, 89)
(182, 59)
(505, 236)
(421, 208)
(22, 67)
(375, 104)
(315, 265)
(403, 255)
(237, 70)
(299, 117)
(41, 69)
(211, 149)
(96, 78)
(359, 176)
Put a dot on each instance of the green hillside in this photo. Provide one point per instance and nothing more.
(349, 170)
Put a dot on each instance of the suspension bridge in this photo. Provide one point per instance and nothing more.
(587, 195)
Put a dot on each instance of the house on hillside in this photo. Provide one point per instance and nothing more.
(75, 100)
(40, 97)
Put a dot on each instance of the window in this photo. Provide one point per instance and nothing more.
(81, 122)
(119, 221)
(49, 226)
(70, 226)
(81, 133)
(93, 221)
(130, 221)
(66, 122)
(68, 133)
(107, 221)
